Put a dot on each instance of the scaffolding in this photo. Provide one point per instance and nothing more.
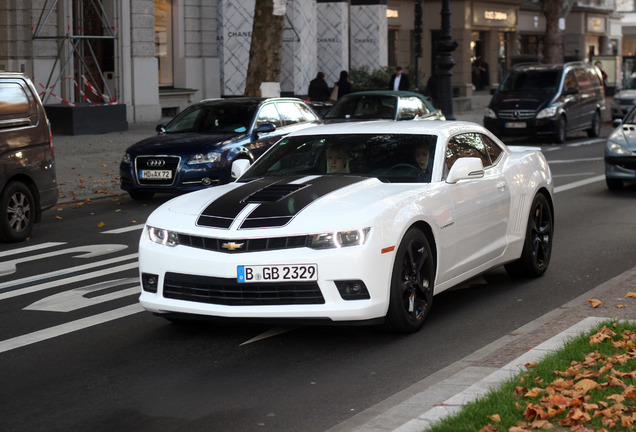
(86, 64)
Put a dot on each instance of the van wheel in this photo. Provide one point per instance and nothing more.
(561, 130)
(595, 130)
(17, 212)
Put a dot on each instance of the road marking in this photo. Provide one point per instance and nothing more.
(124, 230)
(30, 249)
(91, 251)
(69, 327)
(68, 301)
(568, 161)
(69, 280)
(579, 183)
(573, 175)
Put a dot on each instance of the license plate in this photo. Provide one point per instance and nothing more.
(155, 174)
(516, 125)
(277, 273)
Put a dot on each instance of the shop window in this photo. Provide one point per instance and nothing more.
(163, 41)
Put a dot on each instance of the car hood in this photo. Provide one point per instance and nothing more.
(520, 100)
(299, 204)
(625, 135)
(179, 143)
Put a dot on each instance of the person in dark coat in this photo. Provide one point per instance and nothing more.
(318, 89)
(344, 84)
(399, 80)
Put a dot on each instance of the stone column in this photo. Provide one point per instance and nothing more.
(332, 41)
(299, 56)
(234, 35)
(369, 46)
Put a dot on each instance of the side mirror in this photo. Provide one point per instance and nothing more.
(617, 122)
(264, 128)
(160, 128)
(239, 167)
(465, 169)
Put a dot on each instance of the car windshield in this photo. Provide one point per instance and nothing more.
(389, 157)
(630, 84)
(532, 80)
(214, 119)
(364, 107)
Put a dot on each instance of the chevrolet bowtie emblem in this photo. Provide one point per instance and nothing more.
(232, 246)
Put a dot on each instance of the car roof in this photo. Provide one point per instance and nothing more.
(247, 100)
(401, 93)
(428, 127)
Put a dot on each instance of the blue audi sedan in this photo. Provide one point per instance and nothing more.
(196, 149)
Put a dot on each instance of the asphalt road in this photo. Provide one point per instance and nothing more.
(76, 353)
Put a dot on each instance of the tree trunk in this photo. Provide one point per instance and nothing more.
(266, 45)
(553, 43)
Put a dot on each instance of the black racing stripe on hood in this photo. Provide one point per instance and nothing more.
(280, 212)
(222, 211)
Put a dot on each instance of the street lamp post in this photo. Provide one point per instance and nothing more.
(445, 47)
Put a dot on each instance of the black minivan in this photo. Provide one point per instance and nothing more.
(28, 183)
(547, 99)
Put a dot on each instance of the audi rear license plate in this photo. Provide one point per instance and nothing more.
(277, 273)
(516, 125)
(155, 174)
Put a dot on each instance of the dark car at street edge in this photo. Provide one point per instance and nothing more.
(28, 182)
(620, 153)
(547, 99)
(196, 149)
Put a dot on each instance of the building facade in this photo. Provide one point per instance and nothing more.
(158, 56)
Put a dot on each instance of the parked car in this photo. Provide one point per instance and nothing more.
(196, 149)
(620, 152)
(28, 184)
(547, 99)
(382, 105)
(307, 234)
(624, 99)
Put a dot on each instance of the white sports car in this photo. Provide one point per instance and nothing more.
(351, 222)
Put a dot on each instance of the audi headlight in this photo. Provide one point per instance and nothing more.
(489, 113)
(201, 158)
(163, 236)
(338, 239)
(126, 159)
(617, 149)
(548, 112)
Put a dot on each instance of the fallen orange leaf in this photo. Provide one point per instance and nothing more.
(496, 418)
(101, 224)
(594, 302)
(586, 385)
(631, 294)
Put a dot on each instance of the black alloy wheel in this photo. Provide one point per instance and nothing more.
(17, 211)
(537, 247)
(595, 129)
(412, 280)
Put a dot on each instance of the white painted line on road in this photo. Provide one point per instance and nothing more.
(580, 183)
(70, 327)
(69, 280)
(30, 248)
(270, 333)
(124, 230)
(568, 161)
(573, 175)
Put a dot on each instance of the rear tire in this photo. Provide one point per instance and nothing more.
(17, 212)
(595, 130)
(561, 131)
(537, 247)
(412, 280)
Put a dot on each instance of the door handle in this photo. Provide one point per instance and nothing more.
(501, 186)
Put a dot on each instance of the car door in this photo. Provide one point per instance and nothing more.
(481, 206)
(572, 100)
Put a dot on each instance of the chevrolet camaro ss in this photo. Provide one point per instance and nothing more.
(359, 222)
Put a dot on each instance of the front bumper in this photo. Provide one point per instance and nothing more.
(533, 126)
(620, 167)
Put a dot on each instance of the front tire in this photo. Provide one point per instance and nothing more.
(595, 130)
(561, 133)
(537, 247)
(412, 280)
(17, 212)
(614, 184)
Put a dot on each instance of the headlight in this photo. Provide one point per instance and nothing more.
(163, 237)
(617, 149)
(339, 239)
(126, 159)
(548, 112)
(200, 158)
(488, 113)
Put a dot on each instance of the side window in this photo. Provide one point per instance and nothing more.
(494, 151)
(290, 113)
(570, 80)
(582, 79)
(414, 106)
(15, 104)
(268, 114)
(308, 115)
(466, 145)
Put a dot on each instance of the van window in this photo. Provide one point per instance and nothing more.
(583, 79)
(14, 102)
(570, 80)
(521, 80)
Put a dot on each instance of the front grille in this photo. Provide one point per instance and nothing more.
(229, 292)
(155, 163)
(516, 114)
(250, 245)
